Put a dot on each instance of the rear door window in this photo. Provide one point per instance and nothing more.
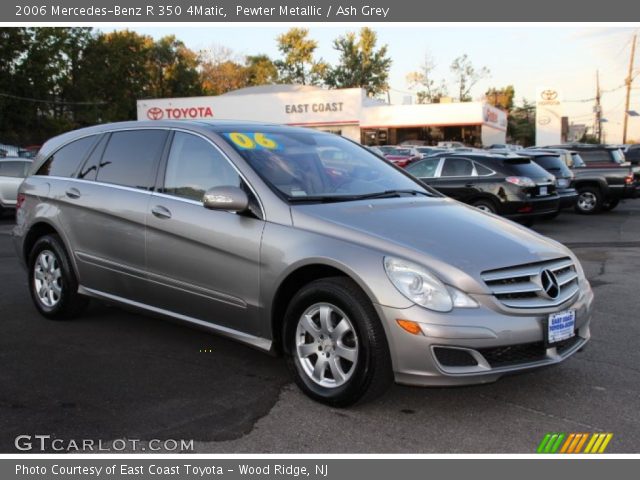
(424, 169)
(131, 157)
(457, 167)
(66, 161)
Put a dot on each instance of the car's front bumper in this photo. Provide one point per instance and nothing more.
(501, 343)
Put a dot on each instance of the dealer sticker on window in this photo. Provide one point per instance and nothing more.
(252, 141)
(561, 325)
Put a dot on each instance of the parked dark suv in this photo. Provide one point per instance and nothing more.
(596, 156)
(555, 165)
(632, 154)
(509, 185)
(600, 188)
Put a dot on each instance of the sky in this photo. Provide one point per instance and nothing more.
(564, 58)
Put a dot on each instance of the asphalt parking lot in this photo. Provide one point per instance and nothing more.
(116, 374)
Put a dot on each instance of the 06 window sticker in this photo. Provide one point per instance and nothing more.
(252, 141)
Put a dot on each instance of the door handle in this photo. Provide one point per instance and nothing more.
(73, 192)
(469, 185)
(161, 212)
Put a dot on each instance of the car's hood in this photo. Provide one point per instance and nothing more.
(456, 241)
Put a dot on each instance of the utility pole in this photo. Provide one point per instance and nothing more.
(628, 81)
(598, 110)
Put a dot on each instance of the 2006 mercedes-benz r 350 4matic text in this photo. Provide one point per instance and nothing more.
(300, 242)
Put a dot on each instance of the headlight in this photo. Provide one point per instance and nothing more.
(423, 288)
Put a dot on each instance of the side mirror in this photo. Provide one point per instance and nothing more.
(232, 199)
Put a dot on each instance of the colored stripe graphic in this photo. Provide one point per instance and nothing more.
(582, 442)
(574, 442)
(567, 443)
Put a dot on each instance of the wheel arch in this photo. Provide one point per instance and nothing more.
(38, 230)
(297, 277)
(593, 182)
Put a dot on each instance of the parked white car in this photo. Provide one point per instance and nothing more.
(13, 170)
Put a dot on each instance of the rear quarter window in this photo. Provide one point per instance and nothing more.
(66, 161)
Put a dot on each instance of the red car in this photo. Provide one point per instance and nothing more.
(402, 156)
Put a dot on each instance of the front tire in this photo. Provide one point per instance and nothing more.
(334, 343)
(52, 281)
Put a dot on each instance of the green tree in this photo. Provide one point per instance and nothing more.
(173, 69)
(466, 76)
(221, 71)
(115, 73)
(298, 64)
(13, 43)
(361, 64)
(521, 126)
(260, 70)
(501, 97)
(431, 91)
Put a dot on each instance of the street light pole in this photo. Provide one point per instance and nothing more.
(628, 82)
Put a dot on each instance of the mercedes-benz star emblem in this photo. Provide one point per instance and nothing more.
(549, 284)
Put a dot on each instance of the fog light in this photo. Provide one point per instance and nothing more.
(409, 326)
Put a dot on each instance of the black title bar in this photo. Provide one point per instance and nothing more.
(28, 12)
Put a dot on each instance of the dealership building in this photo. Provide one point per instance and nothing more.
(348, 112)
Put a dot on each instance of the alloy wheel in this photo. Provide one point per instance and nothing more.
(47, 278)
(587, 201)
(326, 345)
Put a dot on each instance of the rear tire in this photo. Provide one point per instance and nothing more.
(590, 201)
(334, 343)
(485, 206)
(52, 281)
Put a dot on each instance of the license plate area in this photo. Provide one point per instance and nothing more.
(543, 191)
(559, 326)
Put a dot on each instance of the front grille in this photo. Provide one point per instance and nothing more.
(523, 286)
(525, 352)
(454, 357)
(514, 354)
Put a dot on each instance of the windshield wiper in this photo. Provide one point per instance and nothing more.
(392, 193)
(351, 198)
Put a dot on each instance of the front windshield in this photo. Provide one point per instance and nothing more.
(311, 165)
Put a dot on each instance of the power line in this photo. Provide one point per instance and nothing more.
(53, 102)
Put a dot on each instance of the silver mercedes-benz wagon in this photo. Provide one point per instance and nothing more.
(299, 242)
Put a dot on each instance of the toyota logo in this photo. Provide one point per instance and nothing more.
(549, 95)
(155, 113)
(549, 284)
